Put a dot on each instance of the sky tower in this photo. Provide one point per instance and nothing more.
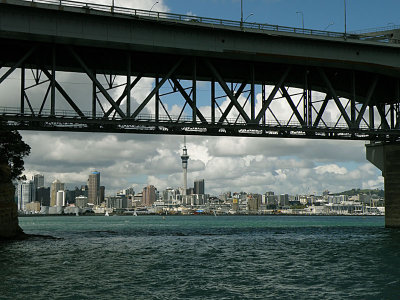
(185, 158)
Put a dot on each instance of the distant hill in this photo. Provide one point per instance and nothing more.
(353, 192)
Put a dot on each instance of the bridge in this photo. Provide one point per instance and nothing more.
(161, 73)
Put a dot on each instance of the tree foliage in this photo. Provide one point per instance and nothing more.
(12, 151)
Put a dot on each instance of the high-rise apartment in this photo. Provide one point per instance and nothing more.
(149, 195)
(94, 188)
(56, 186)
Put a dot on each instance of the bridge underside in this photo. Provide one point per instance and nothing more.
(191, 94)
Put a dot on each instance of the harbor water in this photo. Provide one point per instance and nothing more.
(202, 257)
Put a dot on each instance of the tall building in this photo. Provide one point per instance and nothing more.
(60, 198)
(94, 188)
(26, 193)
(38, 180)
(149, 195)
(56, 186)
(185, 158)
(43, 196)
(199, 187)
(102, 194)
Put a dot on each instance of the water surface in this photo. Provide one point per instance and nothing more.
(203, 257)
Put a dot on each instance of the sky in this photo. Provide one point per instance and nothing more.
(294, 166)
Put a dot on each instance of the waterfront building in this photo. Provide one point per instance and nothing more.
(33, 207)
(26, 193)
(55, 187)
(283, 200)
(185, 158)
(117, 202)
(94, 188)
(38, 180)
(81, 201)
(60, 198)
(199, 186)
(149, 195)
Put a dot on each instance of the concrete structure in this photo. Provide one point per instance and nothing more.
(386, 157)
(185, 158)
(55, 187)
(94, 188)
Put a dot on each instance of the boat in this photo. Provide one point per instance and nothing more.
(134, 213)
(106, 214)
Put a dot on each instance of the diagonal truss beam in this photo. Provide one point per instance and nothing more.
(321, 110)
(227, 91)
(230, 106)
(367, 100)
(64, 94)
(18, 64)
(156, 88)
(188, 100)
(292, 105)
(123, 95)
(332, 92)
(271, 96)
(382, 113)
(96, 82)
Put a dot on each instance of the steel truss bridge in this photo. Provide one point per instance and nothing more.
(72, 66)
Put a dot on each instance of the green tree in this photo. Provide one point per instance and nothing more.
(12, 151)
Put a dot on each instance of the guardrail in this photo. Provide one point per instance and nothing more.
(70, 114)
(359, 35)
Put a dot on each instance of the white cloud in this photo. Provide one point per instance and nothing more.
(331, 168)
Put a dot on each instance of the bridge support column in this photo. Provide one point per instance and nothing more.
(386, 157)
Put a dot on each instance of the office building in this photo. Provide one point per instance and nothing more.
(199, 187)
(94, 188)
(55, 187)
(102, 194)
(43, 196)
(26, 193)
(38, 180)
(60, 198)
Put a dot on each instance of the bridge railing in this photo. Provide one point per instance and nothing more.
(140, 13)
(65, 115)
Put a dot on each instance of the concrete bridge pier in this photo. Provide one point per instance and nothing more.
(386, 157)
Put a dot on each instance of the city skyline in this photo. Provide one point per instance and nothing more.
(252, 164)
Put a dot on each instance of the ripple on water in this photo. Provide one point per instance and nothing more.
(203, 258)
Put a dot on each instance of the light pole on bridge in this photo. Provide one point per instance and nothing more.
(302, 18)
(345, 19)
(153, 5)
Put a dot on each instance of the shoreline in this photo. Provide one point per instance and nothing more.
(200, 215)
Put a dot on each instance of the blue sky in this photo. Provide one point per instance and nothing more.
(318, 14)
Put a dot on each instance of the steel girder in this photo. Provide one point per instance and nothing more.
(171, 104)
